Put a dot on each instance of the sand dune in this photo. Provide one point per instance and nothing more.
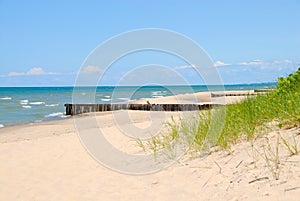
(48, 162)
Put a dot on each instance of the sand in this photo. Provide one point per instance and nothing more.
(199, 98)
(48, 162)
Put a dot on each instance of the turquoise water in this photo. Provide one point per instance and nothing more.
(24, 105)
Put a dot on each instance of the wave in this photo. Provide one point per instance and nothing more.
(1, 125)
(52, 105)
(26, 106)
(37, 103)
(24, 102)
(56, 114)
(6, 98)
(107, 96)
(158, 94)
(105, 99)
(124, 99)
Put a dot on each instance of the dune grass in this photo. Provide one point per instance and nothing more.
(226, 125)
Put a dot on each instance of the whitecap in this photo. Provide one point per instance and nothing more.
(37, 103)
(106, 99)
(6, 98)
(125, 99)
(156, 93)
(26, 106)
(51, 105)
(23, 102)
(55, 114)
(1, 125)
(107, 96)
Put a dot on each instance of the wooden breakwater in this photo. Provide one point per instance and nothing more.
(74, 109)
(239, 93)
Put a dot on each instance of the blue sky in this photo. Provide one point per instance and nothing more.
(46, 42)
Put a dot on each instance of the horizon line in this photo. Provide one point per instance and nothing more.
(227, 84)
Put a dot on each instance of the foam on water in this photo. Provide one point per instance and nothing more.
(6, 98)
(37, 103)
(52, 105)
(26, 106)
(1, 125)
(24, 102)
(55, 114)
(158, 94)
(106, 99)
(124, 99)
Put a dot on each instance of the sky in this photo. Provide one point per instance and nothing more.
(46, 43)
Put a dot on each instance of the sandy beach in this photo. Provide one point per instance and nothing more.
(48, 162)
(200, 97)
(149, 100)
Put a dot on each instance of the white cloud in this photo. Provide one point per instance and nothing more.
(216, 64)
(278, 65)
(16, 73)
(91, 69)
(185, 67)
(221, 63)
(36, 71)
(287, 61)
(32, 71)
(252, 63)
(266, 66)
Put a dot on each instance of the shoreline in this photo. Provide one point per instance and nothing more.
(198, 97)
(16, 113)
(48, 162)
(20, 124)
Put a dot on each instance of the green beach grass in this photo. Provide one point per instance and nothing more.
(231, 123)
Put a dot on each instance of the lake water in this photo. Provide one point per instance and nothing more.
(24, 105)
